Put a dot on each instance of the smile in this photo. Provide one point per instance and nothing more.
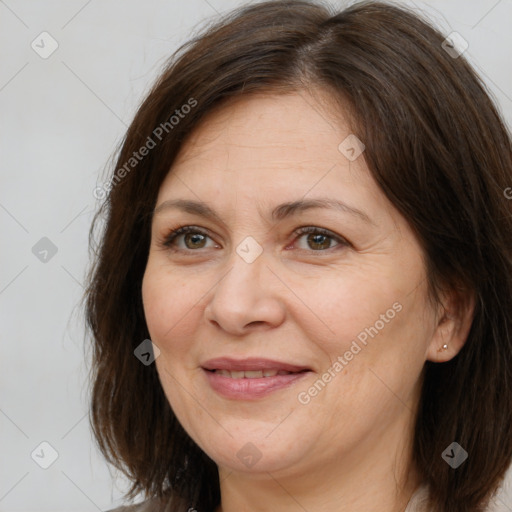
(250, 379)
(251, 374)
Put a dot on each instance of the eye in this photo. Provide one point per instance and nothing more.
(319, 239)
(192, 237)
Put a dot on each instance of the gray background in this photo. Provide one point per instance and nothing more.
(61, 120)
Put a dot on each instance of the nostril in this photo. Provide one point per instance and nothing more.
(257, 323)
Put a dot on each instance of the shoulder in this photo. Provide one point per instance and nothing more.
(170, 504)
(419, 501)
(146, 506)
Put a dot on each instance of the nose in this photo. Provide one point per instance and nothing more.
(247, 298)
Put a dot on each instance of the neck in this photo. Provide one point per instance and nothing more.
(383, 481)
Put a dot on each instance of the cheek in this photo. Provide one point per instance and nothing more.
(352, 305)
(379, 325)
(171, 309)
(169, 304)
(374, 368)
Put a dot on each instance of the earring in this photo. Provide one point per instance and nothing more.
(444, 347)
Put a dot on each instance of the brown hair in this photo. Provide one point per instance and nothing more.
(437, 148)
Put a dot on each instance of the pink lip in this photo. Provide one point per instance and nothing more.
(250, 389)
(250, 363)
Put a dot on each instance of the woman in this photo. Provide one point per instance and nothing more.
(308, 221)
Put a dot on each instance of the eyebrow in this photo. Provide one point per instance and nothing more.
(280, 212)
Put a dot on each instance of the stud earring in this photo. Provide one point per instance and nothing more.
(444, 347)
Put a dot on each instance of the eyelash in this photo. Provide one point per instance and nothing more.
(182, 230)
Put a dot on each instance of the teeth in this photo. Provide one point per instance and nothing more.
(251, 374)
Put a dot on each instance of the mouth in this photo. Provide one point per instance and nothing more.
(250, 379)
(252, 374)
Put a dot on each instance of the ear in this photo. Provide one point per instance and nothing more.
(454, 319)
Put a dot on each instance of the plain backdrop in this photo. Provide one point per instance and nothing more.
(62, 117)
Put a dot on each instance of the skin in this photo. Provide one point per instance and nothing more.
(349, 446)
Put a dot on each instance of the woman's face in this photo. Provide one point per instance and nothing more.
(339, 312)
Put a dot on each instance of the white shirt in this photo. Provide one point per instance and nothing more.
(418, 502)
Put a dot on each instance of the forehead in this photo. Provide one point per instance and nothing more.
(284, 117)
(269, 137)
(259, 151)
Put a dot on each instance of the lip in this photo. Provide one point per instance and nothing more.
(255, 388)
(250, 363)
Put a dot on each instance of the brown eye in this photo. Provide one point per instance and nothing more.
(193, 238)
(318, 239)
(190, 238)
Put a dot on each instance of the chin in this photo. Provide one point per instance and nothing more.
(254, 448)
